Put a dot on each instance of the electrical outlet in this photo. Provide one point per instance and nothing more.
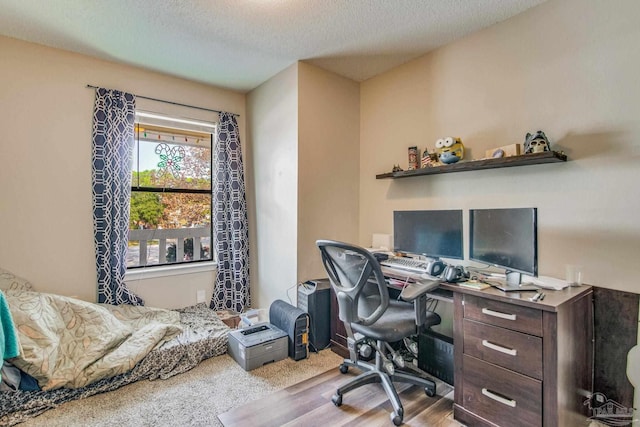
(200, 296)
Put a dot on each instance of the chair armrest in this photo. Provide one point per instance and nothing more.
(417, 293)
(414, 290)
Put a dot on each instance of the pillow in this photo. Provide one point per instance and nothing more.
(11, 282)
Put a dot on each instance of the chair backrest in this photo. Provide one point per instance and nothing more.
(357, 281)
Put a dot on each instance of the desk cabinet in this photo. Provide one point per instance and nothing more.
(522, 363)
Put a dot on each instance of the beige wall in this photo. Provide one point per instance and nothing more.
(45, 178)
(304, 136)
(328, 165)
(567, 67)
(273, 133)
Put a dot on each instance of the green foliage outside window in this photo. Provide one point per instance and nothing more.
(146, 210)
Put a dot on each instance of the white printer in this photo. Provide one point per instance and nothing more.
(258, 345)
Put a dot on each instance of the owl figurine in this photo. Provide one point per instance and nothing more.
(536, 143)
(449, 149)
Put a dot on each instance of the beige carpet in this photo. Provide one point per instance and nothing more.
(194, 398)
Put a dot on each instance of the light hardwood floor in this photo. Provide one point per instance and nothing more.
(309, 404)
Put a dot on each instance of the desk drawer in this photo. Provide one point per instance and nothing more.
(512, 350)
(510, 316)
(499, 395)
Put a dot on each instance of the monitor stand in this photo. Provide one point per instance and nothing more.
(513, 283)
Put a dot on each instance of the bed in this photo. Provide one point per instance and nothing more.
(75, 349)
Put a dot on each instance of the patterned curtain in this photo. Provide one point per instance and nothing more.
(230, 220)
(113, 119)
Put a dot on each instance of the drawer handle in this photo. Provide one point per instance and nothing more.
(503, 400)
(505, 350)
(498, 314)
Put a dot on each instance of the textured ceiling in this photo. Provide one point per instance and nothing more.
(238, 44)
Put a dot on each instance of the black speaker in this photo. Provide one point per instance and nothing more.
(314, 298)
(454, 274)
(435, 268)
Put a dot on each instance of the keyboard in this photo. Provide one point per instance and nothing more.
(405, 263)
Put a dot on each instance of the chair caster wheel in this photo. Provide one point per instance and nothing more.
(337, 399)
(344, 368)
(396, 419)
(430, 391)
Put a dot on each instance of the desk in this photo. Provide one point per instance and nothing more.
(519, 362)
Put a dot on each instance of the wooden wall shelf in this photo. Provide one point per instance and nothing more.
(472, 165)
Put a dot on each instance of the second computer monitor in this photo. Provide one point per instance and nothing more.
(505, 238)
(433, 233)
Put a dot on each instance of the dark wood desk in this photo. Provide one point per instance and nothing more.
(519, 362)
(566, 366)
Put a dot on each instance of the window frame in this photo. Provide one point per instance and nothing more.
(178, 124)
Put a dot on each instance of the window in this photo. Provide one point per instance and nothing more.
(170, 215)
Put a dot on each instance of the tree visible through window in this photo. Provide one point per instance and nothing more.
(170, 217)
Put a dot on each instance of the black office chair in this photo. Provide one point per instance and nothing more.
(366, 310)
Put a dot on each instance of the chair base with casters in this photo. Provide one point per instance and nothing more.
(379, 373)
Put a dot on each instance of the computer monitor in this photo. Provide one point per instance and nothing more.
(505, 238)
(432, 233)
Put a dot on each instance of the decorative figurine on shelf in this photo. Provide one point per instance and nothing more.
(536, 143)
(396, 168)
(427, 159)
(450, 149)
(413, 158)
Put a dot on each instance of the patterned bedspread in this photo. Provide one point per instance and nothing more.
(203, 335)
(67, 342)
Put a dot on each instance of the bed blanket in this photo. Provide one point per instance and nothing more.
(204, 336)
(71, 343)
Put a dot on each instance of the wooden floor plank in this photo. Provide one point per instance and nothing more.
(309, 403)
